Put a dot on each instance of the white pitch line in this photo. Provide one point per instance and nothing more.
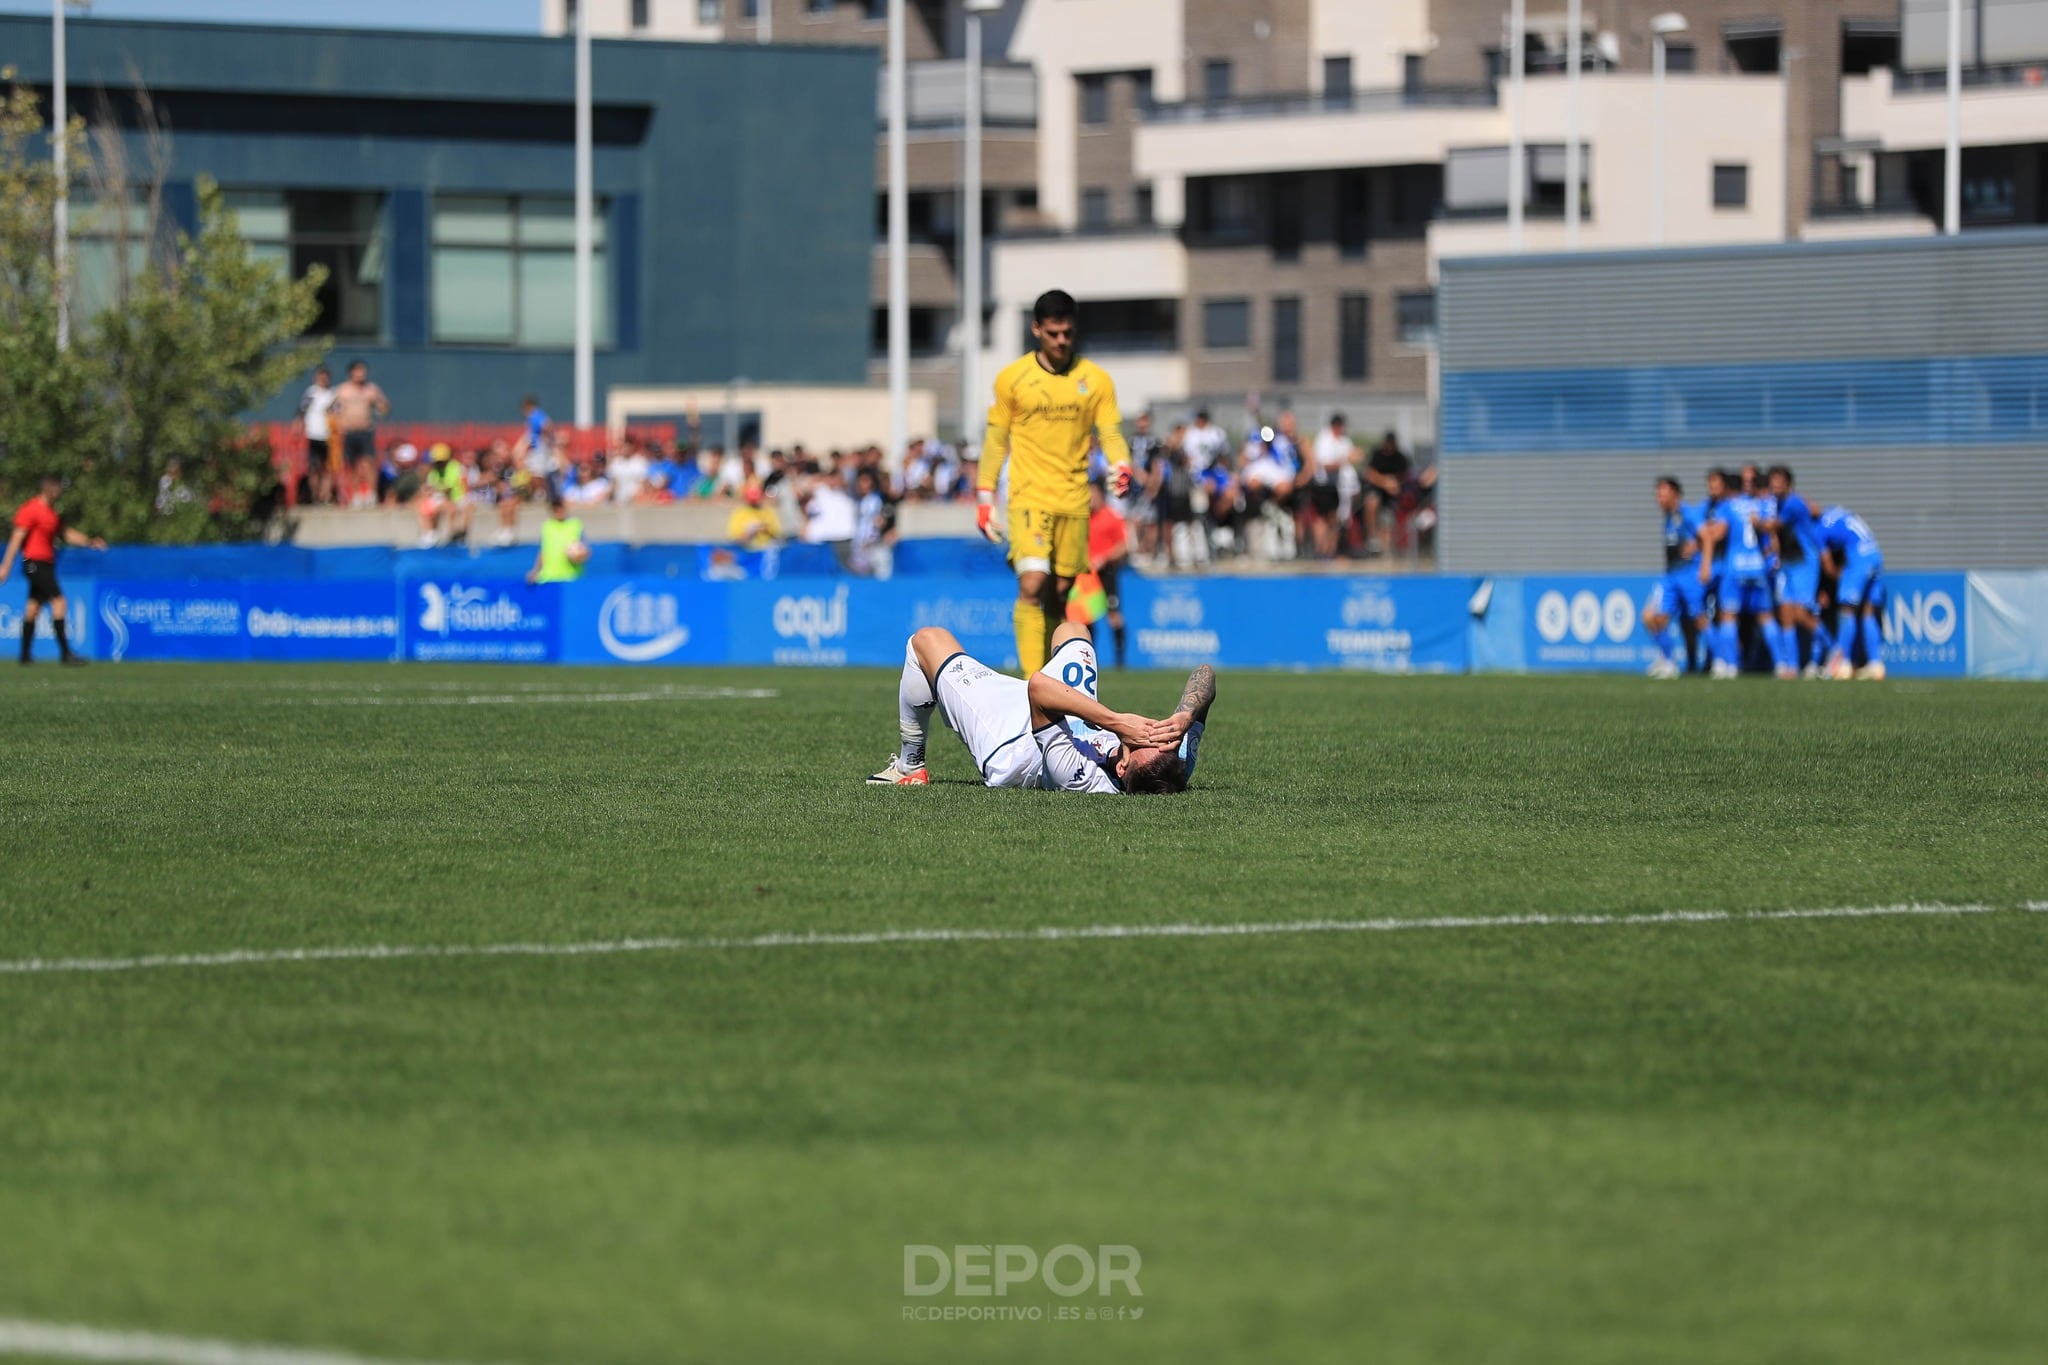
(386, 952)
(68, 1341)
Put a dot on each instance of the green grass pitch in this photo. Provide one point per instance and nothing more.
(1750, 1141)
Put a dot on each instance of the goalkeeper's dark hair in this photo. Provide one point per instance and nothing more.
(1163, 774)
(1054, 305)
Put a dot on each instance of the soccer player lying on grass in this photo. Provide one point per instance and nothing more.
(1049, 732)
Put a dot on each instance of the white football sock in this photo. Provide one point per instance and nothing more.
(913, 712)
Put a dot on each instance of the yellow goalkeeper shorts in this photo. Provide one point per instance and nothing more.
(1047, 542)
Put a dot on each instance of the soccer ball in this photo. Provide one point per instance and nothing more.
(578, 553)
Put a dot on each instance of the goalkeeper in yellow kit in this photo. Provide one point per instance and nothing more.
(1051, 407)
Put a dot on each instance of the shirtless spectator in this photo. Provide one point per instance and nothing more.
(353, 416)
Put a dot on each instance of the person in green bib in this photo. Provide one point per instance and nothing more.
(562, 551)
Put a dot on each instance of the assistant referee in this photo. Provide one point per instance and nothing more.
(37, 529)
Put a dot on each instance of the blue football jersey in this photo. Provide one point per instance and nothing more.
(1742, 548)
(1681, 537)
(1847, 534)
(1798, 531)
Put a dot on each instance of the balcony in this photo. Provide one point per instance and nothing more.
(937, 96)
(1327, 102)
(1413, 125)
(1908, 111)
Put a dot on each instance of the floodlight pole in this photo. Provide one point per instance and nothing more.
(899, 242)
(1518, 175)
(1575, 42)
(60, 106)
(970, 248)
(1952, 159)
(586, 367)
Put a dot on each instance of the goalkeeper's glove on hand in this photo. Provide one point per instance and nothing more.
(1120, 480)
(985, 517)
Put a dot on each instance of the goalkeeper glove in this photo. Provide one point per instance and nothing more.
(985, 515)
(1120, 480)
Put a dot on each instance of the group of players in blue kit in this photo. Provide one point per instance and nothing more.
(1754, 552)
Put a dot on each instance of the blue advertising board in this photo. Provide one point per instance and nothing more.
(1593, 623)
(1586, 623)
(462, 619)
(1384, 624)
(1927, 625)
(341, 620)
(81, 625)
(643, 621)
(198, 620)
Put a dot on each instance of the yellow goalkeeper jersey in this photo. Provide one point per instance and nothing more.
(1043, 422)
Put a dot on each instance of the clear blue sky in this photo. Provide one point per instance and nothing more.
(497, 16)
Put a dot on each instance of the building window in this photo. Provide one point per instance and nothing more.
(1354, 349)
(1411, 72)
(1354, 207)
(1337, 80)
(878, 11)
(1129, 325)
(750, 9)
(1224, 208)
(1731, 186)
(1216, 80)
(929, 328)
(1141, 205)
(1095, 208)
(340, 230)
(110, 245)
(505, 272)
(1286, 341)
(1681, 57)
(1285, 220)
(708, 12)
(1141, 91)
(1226, 324)
(1094, 99)
(1415, 318)
(818, 6)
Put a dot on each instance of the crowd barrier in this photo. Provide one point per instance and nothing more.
(1937, 625)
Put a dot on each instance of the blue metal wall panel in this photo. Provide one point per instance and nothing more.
(406, 302)
(1821, 405)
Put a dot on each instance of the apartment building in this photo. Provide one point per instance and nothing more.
(1249, 197)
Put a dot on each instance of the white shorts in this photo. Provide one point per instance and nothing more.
(991, 711)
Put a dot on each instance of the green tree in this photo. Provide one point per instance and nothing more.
(161, 380)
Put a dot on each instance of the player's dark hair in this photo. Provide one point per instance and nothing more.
(1054, 305)
(1784, 469)
(52, 477)
(1673, 484)
(1161, 775)
(530, 401)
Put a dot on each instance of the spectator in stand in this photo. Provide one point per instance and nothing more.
(1183, 534)
(874, 534)
(326, 467)
(630, 471)
(735, 471)
(1333, 487)
(655, 492)
(753, 525)
(536, 449)
(171, 492)
(592, 486)
(1147, 455)
(1109, 549)
(353, 414)
(1267, 493)
(400, 478)
(498, 486)
(1205, 443)
(830, 517)
(1392, 483)
(444, 498)
(1217, 489)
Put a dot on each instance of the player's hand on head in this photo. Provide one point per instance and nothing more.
(1169, 732)
(1133, 730)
